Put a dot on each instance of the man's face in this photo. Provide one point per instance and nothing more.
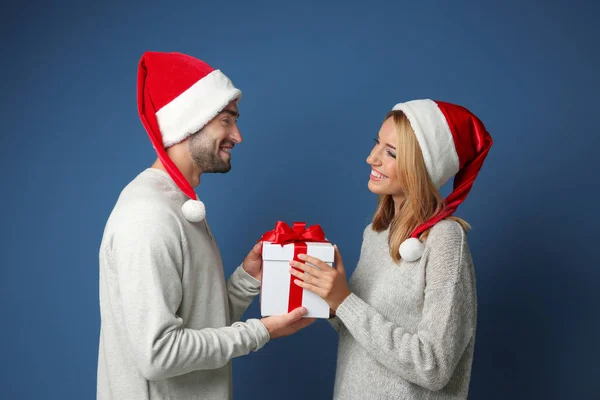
(211, 147)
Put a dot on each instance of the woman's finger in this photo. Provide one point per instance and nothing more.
(305, 277)
(319, 264)
(309, 287)
(307, 268)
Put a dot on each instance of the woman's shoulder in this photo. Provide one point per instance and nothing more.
(371, 234)
(368, 229)
(447, 232)
(448, 255)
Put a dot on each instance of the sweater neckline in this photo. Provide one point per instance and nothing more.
(164, 177)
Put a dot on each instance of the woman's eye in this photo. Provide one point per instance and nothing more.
(391, 154)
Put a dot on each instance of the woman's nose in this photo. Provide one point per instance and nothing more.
(372, 158)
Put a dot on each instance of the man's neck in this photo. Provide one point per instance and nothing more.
(189, 172)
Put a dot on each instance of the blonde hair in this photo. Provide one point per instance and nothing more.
(422, 200)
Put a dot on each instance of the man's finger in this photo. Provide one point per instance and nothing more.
(303, 323)
(295, 315)
(337, 259)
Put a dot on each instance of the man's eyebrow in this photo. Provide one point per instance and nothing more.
(231, 112)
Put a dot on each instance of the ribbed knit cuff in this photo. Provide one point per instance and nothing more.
(243, 280)
(260, 331)
(335, 323)
(351, 308)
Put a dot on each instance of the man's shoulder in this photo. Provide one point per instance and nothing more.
(145, 204)
(148, 193)
(143, 195)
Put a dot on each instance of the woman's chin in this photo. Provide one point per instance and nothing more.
(373, 187)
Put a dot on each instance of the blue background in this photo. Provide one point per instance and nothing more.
(317, 80)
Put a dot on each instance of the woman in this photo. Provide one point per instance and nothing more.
(407, 318)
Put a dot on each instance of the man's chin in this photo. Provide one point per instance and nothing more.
(226, 168)
(221, 170)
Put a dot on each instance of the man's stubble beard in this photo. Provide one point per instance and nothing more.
(204, 156)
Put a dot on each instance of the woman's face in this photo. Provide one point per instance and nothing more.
(384, 173)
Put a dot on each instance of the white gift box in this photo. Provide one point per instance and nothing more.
(277, 281)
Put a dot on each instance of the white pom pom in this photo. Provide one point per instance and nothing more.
(193, 210)
(411, 249)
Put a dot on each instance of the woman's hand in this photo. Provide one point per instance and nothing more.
(328, 283)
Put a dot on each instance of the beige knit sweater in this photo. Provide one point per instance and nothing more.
(407, 331)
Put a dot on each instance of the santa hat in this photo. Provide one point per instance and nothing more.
(177, 96)
(454, 142)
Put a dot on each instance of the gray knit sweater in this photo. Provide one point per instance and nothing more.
(169, 325)
(407, 331)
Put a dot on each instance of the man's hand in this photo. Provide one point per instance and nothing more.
(253, 262)
(287, 324)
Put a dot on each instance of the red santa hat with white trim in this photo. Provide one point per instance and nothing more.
(454, 142)
(177, 96)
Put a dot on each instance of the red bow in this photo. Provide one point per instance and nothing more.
(283, 234)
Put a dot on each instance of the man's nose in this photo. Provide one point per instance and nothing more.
(236, 136)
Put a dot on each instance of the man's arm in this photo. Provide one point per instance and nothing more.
(147, 257)
(241, 290)
(244, 283)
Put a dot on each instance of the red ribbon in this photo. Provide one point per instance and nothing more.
(299, 235)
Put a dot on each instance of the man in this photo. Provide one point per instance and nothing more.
(169, 321)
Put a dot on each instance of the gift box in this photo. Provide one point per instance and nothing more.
(279, 294)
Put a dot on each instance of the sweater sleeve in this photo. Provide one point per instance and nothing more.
(241, 290)
(428, 356)
(335, 322)
(147, 257)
